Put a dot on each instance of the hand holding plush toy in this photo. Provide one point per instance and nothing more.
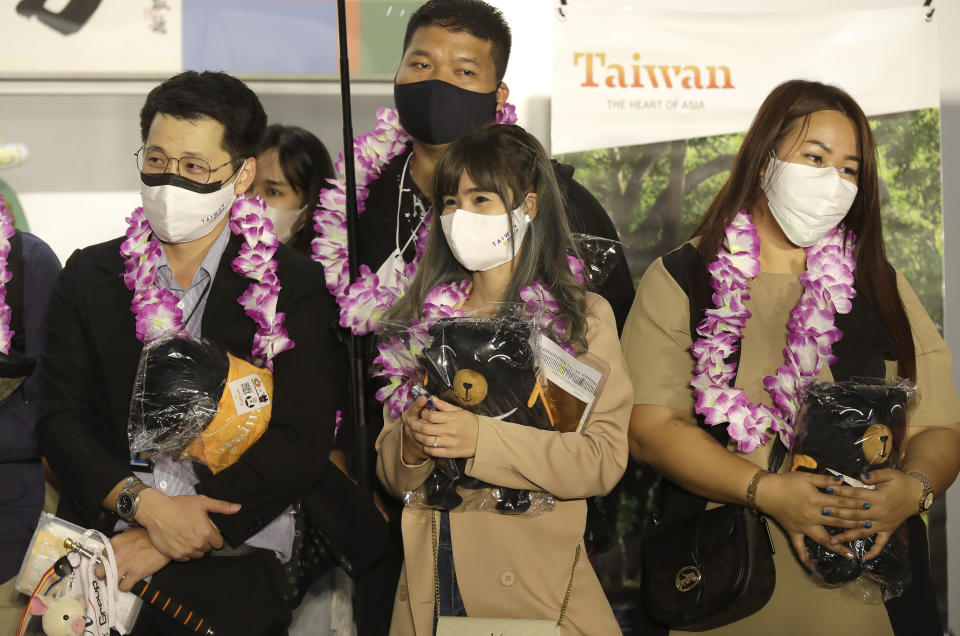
(846, 429)
(486, 366)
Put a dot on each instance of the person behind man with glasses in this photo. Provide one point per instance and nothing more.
(209, 540)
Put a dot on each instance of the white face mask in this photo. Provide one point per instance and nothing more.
(180, 210)
(285, 222)
(807, 202)
(481, 241)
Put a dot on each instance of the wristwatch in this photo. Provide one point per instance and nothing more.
(926, 497)
(129, 498)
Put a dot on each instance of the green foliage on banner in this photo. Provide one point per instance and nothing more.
(656, 193)
(908, 145)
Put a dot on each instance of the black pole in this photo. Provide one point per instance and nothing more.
(357, 402)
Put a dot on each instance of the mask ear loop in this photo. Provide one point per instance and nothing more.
(513, 233)
(242, 166)
(523, 206)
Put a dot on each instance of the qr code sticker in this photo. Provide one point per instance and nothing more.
(248, 394)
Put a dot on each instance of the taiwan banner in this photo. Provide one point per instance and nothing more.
(651, 107)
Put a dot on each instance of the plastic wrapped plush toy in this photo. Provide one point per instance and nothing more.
(487, 366)
(849, 428)
(192, 400)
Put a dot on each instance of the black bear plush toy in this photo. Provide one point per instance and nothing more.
(177, 393)
(849, 428)
(485, 365)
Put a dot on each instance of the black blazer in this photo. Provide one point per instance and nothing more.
(91, 361)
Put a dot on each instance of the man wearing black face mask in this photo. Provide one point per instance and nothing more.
(448, 82)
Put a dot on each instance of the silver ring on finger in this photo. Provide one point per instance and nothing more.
(435, 442)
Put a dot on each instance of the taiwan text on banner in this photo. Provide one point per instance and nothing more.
(627, 76)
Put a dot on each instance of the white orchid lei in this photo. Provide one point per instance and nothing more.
(6, 314)
(827, 290)
(363, 302)
(156, 309)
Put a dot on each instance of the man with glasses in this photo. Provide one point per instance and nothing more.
(214, 542)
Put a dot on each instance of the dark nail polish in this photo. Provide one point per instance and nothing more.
(867, 525)
(866, 475)
(829, 490)
(838, 478)
(866, 506)
(864, 560)
(825, 512)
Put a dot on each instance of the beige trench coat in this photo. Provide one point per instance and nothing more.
(519, 567)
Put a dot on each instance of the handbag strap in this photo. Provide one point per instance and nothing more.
(436, 571)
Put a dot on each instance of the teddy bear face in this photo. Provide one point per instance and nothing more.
(469, 387)
(877, 444)
(485, 365)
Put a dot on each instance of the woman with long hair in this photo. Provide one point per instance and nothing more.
(796, 225)
(499, 235)
(293, 166)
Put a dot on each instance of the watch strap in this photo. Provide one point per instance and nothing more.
(131, 488)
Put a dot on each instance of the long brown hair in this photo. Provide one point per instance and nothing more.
(511, 162)
(790, 105)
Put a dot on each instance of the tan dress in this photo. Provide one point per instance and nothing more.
(514, 566)
(656, 338)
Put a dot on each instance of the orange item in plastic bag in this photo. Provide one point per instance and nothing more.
(243, 416)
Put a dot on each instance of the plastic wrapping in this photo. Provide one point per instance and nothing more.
(46, 546)
(485, 365)
(848, 428)
(192, 400)
(600, 257)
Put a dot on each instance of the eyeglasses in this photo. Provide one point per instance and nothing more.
(155, 161)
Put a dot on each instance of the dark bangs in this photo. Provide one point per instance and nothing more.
(482, 157)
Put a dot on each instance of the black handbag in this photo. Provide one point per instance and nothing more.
(337, 525)
(708, 569)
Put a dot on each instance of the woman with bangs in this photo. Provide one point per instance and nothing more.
(799, 219)
(499, 233)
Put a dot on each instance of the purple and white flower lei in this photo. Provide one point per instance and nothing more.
(363, 302)
(397, 361)
(6, 314)
(827, 290)
(156, 309)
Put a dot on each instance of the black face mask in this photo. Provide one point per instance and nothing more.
(437, 112)
(170, 178)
